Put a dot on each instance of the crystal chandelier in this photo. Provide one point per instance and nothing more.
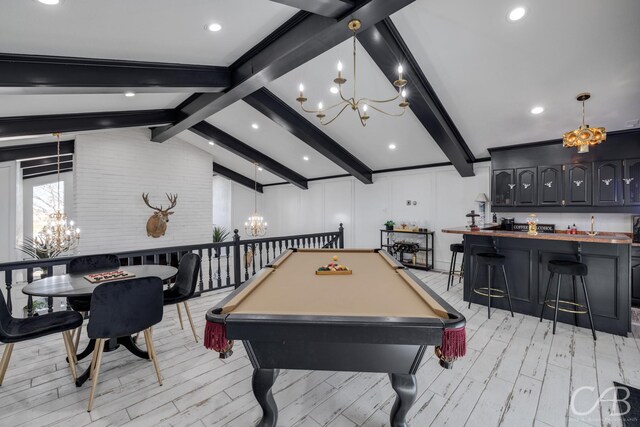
(255, 226)
(584, 136)
(359, 105)
(58, 235)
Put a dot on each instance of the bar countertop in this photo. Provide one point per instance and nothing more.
(603, 237)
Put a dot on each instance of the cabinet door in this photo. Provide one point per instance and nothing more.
(631, 182)
(577, 184)
(503, 190)
(607, 183)
(635, 280)
(549, 185)
(526, 188)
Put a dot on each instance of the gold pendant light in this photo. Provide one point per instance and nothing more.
(59, 234)
(359, 105)
(584, 136)
(256, 226)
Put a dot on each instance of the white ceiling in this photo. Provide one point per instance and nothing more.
(27, 105)
(489, 72)
(228, 159)
(369, 144)
(272, 140)
(140, 30)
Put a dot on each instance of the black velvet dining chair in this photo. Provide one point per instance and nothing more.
(123, 308)
(83, 265)
(13, 330)
(184, 287)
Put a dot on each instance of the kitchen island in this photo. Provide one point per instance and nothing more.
(607, 256)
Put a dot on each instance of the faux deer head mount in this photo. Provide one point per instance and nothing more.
(157, 223)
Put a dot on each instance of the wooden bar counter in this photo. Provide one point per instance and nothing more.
(607, 256)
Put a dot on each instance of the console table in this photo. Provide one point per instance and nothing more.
(424, 241)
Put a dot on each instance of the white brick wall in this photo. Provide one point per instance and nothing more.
(113, 169)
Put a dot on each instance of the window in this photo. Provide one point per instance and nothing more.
(45, 201)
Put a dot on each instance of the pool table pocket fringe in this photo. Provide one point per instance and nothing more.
(454, 343)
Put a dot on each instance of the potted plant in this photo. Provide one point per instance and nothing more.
(29, 247)
(389, 225)
(219, 235)
(37, 308)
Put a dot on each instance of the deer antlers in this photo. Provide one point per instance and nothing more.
(173, 199)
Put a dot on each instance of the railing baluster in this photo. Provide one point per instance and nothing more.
(228, 271)
(260, 250)
(210, 273)
(29, 298)
(218, 275)
(253, 258)
(50, 299)
(8, 278)
(201, 282)
(245, 258)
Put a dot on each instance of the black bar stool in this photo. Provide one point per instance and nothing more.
(456, 248)
(572, 268)
(491, 260)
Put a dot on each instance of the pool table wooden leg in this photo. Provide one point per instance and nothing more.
(406, 389)
(263, 380)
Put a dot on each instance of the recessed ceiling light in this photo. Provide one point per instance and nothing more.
(255, 126)
(211, 143)
(333, 90)
(214, 27)
(392, 146)
(129, 94)
(517, 14)
(49, 2)
(305, 158)
(537, 110)
(259, 168)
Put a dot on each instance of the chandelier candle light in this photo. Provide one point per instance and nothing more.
(256, 225)
(584, 136)
(359, 105)
(58, 235)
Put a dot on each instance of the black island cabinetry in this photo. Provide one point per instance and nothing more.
(608, 280)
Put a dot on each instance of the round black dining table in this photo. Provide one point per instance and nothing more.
(75, 285)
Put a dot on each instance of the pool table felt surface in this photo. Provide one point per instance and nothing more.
(378, 287)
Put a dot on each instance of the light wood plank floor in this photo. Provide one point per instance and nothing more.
(516, 373)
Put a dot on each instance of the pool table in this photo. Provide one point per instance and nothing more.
(378, 318)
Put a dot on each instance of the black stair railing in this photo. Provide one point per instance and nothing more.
(223, 264)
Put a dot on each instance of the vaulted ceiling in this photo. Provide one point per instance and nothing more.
(474, 76)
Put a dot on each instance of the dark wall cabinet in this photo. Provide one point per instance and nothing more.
(550, 185)
(631, 182)
(577, 184)
(503, 188)
(607, 185)
(526, 188)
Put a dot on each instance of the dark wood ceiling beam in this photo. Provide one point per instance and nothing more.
(48, 124)
(31, 74)
(273, 107)
(299, 40)
(53, 172)
(228, 142)
(236, 177)
(46, 161)
(386, 47)
(31, 151)
(328, 8)
(39, 170)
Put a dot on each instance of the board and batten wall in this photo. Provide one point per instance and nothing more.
(443, 198)
(112, 170)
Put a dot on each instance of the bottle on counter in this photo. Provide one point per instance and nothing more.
(494, 218)
(574, 229)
